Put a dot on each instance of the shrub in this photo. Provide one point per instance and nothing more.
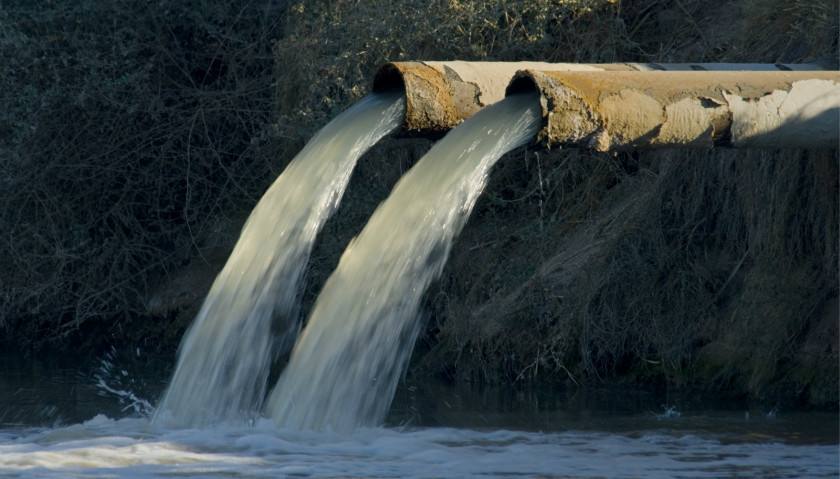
(131, 133)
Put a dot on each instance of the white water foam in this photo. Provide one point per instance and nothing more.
(250, 314)
(345, 367)
(129, 448)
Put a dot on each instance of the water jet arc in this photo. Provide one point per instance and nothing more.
(440, 95)
(250, 315)
(610, 111)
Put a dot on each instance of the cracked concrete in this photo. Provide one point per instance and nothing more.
(808, 112)
(440, 95)
(620, 110)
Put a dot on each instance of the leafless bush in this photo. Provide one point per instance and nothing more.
(132, 130)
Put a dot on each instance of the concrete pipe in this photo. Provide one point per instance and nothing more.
(724, 67)
(629, 110)
(440, 95)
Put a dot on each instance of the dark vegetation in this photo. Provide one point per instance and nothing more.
(135, 138)
(130, 133)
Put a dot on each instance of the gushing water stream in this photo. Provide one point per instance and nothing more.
(250, 313)
(345, 367)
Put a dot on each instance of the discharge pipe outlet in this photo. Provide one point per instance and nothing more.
(440, 95)
(629, 110)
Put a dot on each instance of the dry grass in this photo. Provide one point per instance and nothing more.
(698, 268)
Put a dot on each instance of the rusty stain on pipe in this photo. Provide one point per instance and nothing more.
(440, 95)
(629, 110)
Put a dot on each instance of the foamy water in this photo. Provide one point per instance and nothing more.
(102, 447)
(250, 313)
(344, 370)
(608, 434)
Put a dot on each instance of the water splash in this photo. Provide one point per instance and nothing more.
(113, 381)
(250, 313)
(343, 372)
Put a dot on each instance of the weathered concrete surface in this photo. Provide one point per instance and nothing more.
(628, 110)
(722, 67)
(440, 95)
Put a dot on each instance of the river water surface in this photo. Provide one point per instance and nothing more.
(60, 419)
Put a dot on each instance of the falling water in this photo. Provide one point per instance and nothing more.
(345, 367)
(250, 312)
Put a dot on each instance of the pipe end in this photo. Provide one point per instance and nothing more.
(389, 77)
(522, 82)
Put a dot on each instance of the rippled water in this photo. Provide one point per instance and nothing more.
(49, 427)
(102, 447)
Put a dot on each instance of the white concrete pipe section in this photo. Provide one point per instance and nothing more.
(726, 67)
(440, 95)
(609, 111)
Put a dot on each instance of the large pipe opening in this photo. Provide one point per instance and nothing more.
(522, 84)
(388, 78)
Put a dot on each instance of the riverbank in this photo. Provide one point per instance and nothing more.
(710, 270)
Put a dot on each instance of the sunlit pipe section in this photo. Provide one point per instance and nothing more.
(723, 67)
(608, 111)
(440, 95)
